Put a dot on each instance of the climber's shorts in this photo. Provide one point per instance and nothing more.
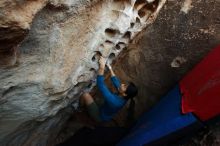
(93, 110)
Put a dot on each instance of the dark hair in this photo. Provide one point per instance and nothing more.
(131, 91)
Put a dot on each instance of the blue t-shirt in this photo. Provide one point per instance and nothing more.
(112, 102)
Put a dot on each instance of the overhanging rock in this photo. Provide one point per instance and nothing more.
(58, 58)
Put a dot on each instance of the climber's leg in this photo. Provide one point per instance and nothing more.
(91, 106)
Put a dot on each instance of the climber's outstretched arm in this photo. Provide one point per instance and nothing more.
(114, 79)
(111, 70)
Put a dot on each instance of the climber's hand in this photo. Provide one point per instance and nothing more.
(102, 62)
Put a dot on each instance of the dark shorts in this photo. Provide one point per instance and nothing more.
(93, 110)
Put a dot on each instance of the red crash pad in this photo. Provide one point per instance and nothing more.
(201, 87)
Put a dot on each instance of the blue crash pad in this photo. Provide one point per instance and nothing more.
(164, 119)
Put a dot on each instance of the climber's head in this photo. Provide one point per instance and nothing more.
(128, 90)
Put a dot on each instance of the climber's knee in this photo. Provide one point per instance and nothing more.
(87, 98)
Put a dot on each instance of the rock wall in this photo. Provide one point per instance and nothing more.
(15, 20)
(49, 52)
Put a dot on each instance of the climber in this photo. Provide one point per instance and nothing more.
(113, 102)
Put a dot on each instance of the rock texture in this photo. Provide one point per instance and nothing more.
(15, 20)
(49, 51)
(49, 57)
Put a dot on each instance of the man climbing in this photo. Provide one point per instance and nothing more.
(113, 102)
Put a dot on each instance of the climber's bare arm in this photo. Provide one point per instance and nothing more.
(111, 70)
(101, 66)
